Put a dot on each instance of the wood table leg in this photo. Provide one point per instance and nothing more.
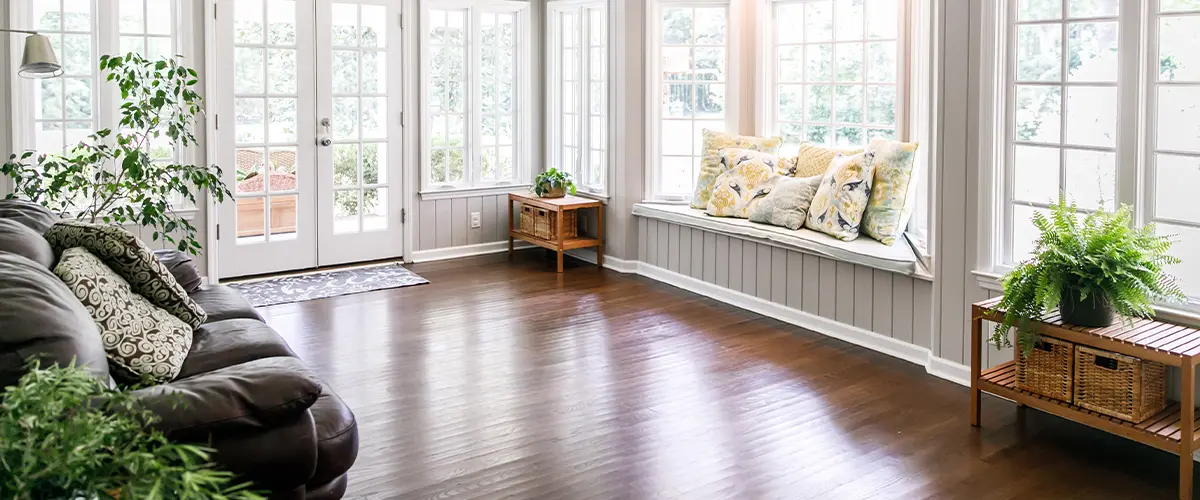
(600, 235)
(976, 362)
(1187, 427)
(510, 229)
(559, 221)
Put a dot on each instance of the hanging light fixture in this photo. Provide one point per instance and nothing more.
(38, 60)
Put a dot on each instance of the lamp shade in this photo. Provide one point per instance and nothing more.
(39, 60)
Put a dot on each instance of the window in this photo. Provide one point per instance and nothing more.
(475, 104)
(837, 72)
(1076, 89)
(578, 92)
(54, 114)
(691, 90)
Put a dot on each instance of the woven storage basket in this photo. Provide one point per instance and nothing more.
(543, 223)
(1047, 369)
(1120, 386)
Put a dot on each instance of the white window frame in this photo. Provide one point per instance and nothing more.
(1135, 143)
(522, 128)
(554, 112)
(654, 84)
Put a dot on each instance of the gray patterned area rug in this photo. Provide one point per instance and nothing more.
(325, 284)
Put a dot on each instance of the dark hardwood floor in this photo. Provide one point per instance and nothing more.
(507, 380)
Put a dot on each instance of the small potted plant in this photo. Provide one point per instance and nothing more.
(553, 183)
(1091, 267)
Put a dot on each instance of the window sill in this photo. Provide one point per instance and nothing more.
(898, 258)
(593, 196)
(1185, 314)
(447, 194)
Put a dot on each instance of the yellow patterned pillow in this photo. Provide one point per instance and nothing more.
(894, 192)
(814, 159)
(838, 207)
(738, 190)
(710, 162)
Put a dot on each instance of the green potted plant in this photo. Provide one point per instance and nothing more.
(553, 183)
(66, 435)
(1091, 268)
(129, 175)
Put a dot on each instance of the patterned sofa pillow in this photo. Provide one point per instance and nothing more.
(710, 161)
(140, 340)
(787, 203)
(838, 206)
(814, 159)
(748, 180)
(894, 192)
(126, 254)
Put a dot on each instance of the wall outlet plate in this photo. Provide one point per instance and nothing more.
(475, 220)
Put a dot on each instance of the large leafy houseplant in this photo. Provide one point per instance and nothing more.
(1098, 260)
(65, 435)
(129, 176)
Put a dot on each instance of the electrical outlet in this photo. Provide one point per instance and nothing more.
(474, 220)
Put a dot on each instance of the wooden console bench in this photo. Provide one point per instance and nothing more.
(1173, 429)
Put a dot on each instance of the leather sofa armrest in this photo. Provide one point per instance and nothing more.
(255, 395)
(181, 267)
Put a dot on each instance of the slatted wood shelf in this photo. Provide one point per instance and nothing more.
(1162, 431)
(568, 244)
(1173, 429)
(560, 206)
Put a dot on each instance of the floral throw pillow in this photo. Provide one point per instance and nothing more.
(140, 339)
(838, 206)
(710, 161)
(787, 203)
(894, 192)
(126, 254)
(747, 182)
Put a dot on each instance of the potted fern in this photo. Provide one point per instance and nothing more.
(1091, 268)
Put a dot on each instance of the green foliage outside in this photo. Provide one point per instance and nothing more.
(65, 435)
(121, 177)
(1102, 256)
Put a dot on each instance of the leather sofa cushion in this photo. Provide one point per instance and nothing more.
(222, 344)
(280, 459)
(337, 438)
(258, 394)
(20, 239)
(32, 215)
(222, 302)
(181, 267)
(39, 316)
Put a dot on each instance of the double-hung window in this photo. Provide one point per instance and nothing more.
(475, 101)
(1091, 112)
(690, 88)
(577, 102)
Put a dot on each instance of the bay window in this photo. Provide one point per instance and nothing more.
(475, 101)
(1092, 113)
(577, 102)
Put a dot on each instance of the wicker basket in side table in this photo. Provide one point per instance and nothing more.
(1117, 385)
(1048, 369)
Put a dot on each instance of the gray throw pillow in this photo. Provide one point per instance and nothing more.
(787, 204)
(20, 239)
(32, 215)
(140, 339)
(126, 254)
(181, 268)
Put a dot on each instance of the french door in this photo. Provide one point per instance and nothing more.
(309, 132)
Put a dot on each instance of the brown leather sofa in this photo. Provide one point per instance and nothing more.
(243, 391)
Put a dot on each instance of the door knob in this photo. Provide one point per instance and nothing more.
(325, 141)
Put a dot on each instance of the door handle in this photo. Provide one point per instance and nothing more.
(325, 141)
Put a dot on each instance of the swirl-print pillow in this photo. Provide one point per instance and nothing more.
(125, 253)
(140, 340)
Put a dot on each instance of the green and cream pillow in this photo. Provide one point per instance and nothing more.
(749, 179)
(837, 209)
(787, 203)
(125, 253)
(894, 191)
(710, 162)
(813, 159)
(140, 339)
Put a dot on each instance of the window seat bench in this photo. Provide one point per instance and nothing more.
(898, 258)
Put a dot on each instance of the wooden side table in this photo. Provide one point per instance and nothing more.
(560, 206)
(1172, 430)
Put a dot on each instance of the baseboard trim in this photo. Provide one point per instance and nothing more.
(465, 251)
(941, 368)
(619, 265)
